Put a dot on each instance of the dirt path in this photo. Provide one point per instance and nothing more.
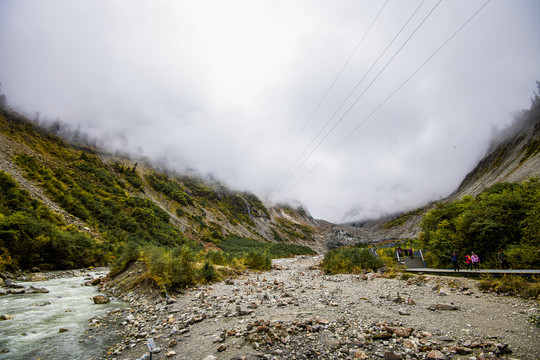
(299, 313)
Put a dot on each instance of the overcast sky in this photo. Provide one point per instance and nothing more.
(237, 89)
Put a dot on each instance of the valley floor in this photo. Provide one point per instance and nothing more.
(296, 312)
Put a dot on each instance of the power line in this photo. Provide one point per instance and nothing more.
(326, 94)
(390, 96)
(363, 92)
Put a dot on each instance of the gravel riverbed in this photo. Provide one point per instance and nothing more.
(296, 312)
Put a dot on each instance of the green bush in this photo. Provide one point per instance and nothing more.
(512, 284)
(237, 246)
(208, 272)
(175, 269)
(504, 216)
(257, 260)
(350, 261)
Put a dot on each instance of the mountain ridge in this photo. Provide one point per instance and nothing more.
(514, 156)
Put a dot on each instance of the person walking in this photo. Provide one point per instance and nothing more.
(502, 259)
(455, 261)
(475, 261)
(468, 261)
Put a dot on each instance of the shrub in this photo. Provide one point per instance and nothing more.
(208, 272)
(350, 260)
(257, 260)
(512, 284)
(172, 268)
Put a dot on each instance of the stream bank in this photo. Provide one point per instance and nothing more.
(296, 312)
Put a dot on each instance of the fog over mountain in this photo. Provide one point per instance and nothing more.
(237, 89)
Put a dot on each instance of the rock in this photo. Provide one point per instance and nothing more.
(101, 299)
(443, 307)
(12, 284)
(443, 292)
(61, 330)
(389, 355)
(211, 357)
(399, 331)
(35, 290)
(173, 343)
(170, 300)
(436, 354)
(461, 350)
(410, 344)
(93, 282)
(332, 344)
(38, 277)
(16, 291)
(222, 348)
(502, 349)
(171, 353)
(361, 355)
(6, 317)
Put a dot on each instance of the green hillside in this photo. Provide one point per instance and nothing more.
(65, 205)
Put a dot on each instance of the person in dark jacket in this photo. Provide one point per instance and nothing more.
(502, 259)
(455, 261)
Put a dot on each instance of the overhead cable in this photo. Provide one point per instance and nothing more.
(389, 96)
(326, 94)
(365, 90)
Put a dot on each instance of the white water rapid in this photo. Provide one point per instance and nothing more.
(51, 325)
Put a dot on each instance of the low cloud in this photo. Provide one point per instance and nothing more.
(225, 88)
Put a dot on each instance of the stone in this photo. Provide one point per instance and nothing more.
(222, 348)
(332, 344)
(410, 344)
(101, 299)
(389, 355)
(436, 354)
(35, 290)
(6, 317)
(443, 307)
(361, 355)
(173, 343)
(16, 291)
(461, 350)
(61, 330)
(399, 331)
(211, 357)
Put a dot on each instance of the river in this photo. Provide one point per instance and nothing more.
(35, 330)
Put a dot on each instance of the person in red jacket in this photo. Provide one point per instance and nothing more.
(468, 261)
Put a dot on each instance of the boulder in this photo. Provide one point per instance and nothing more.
(6, 317)
(101, 299)
(17, 291)
(35, 290)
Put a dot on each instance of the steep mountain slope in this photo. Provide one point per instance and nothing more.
(513, 157)
(113, 200)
